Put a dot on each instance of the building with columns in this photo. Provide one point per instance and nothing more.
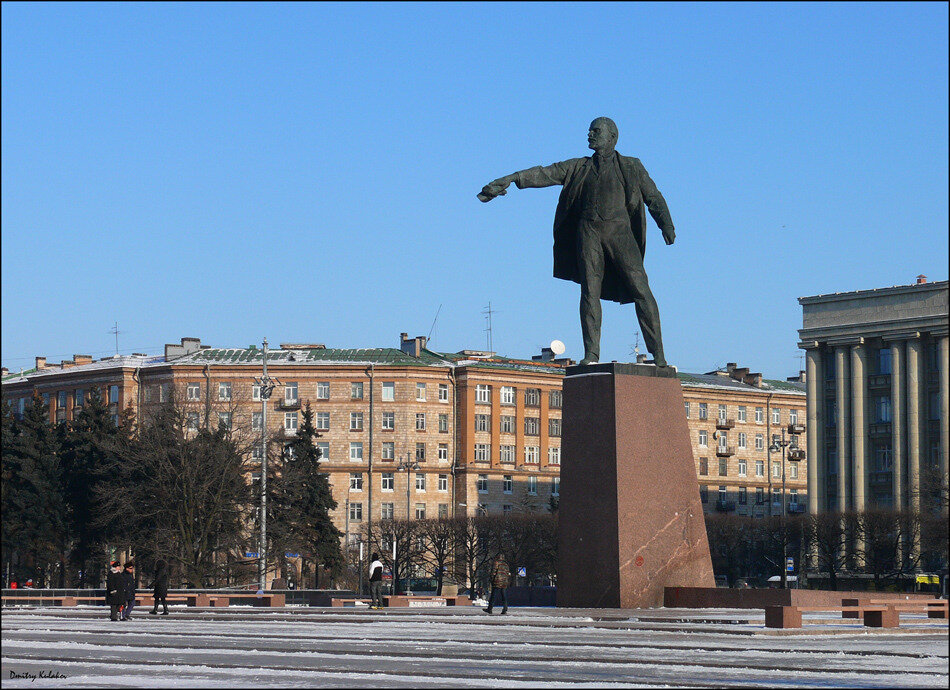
(877, 396)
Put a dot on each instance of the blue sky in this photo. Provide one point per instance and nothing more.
(308, 172)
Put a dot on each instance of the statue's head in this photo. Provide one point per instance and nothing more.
(602, 135)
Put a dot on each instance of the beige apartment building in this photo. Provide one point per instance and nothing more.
(733, 416)
(878, 396)
(409, 431)
(404, 431)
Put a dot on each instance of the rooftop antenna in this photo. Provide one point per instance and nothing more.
(801, 360)
(429, 337)
(488, 312)
(115, 331)
(636, 346)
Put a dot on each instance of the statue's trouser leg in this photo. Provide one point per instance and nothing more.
(591, 261)
(624, 254)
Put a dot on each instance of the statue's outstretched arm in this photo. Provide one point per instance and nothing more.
(538, 176)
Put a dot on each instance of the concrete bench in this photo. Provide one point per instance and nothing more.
(413, 601)
(934, 608)
(272, 600)
(875, 616)
(349, 602)
(48, 601)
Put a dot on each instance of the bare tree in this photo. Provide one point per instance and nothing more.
(178, 493)
(404, 534)
(439, 539)
(730, 544)
(473, 548)
(830, 535)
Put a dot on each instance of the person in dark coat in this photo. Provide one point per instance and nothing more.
(128, 589)
(500, 578)
(115, 590)
(160, 587)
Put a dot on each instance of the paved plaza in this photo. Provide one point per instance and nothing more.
(310, 647)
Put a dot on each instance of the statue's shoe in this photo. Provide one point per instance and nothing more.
(588, 360)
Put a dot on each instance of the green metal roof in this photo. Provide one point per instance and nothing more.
(381, 355)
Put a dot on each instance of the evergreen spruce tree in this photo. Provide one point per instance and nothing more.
(34, 508)
(305, 492)
(93, 435)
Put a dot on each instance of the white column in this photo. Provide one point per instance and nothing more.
(943, 363)
(843, 397)
(815, 462)
(898, 411)
(859, 390)
(915, 362)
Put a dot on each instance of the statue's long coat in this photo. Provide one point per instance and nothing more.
(640, 190)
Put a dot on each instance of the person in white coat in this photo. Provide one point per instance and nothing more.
(376, 582)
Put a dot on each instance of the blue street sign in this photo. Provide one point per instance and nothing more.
(522, 572)
(251, 554)
(790, 565)
(287, 554)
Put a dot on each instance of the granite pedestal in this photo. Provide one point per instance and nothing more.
(630, 517)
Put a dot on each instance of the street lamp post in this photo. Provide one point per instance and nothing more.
(407, 464)
(783, 443)
(266, 384)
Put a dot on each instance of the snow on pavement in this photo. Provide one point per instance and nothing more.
(354, 647)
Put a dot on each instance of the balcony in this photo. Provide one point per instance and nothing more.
(879, 381)
(794, 429)
(289, 433)
(796, 454)
(879, 477)
(879, 428)
(725, 451)
(725, 506)
(795, 508)
(725, 423)
(288, 404)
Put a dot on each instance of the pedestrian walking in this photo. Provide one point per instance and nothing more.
(115, 590)
(376, 582)
(160, 587)
(500, 577)
(128, 589)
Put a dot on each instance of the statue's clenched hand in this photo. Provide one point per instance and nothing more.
(494, 188)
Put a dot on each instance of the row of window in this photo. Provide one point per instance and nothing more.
(883, 361)
(532, 425)
(881, 411)
(743, 439)
(387, 451)
(62, 399)
(388, 481)
(321, 421)
(322, 391)
(743, 468)
(742, 413)
(506, 454)
(532, 396)
(743, 495)
(387, 511)
(507, 484)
